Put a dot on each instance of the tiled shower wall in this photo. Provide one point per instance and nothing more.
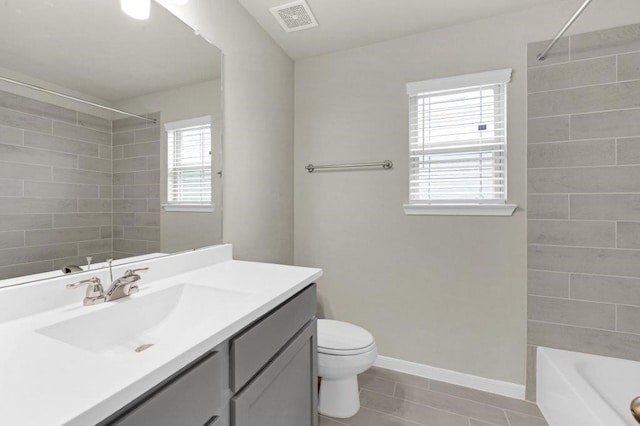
(136, 187)
(584, 196)
(55, 186)
(64, 195)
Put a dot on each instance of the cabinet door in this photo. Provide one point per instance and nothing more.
(193, 397)
(285, 392)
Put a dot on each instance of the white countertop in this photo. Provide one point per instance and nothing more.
(44, 381)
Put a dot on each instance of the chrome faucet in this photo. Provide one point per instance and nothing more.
(94, 295)
(119, 288)
(125, 285)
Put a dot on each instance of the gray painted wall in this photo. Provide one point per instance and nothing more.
(443, 291)
(258, 130)
(584, 196)
(55, 186)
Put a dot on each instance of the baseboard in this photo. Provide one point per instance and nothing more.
(511, 390)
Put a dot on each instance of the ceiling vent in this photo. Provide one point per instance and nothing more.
(294, 16)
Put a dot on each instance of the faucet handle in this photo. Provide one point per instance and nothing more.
(95, 292)
(130, 272)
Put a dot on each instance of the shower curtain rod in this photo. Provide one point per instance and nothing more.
(73, 98)
(543, 54)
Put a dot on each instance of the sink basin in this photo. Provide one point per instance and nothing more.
(142, 321)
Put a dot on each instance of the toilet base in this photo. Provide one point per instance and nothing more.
(339, 397)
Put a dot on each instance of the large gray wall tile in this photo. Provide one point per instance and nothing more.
(25, 269)
(24, 171)
(81, 133)
(572, 312)
(34, 107)
(629, 319)
(20, 120)
(629, 66)
(142, 233)
(130, 246)
(550, 129)
(93, 122)
(65, 220)
(141, 149)
(85, 176)
(142, 191)
(148, 219)
(545, 283)
(572, 74)
(593, 341)
(95, 205)
(130, 164)
(11, 136)
(584, 180)
(59, 190)
(129, 206)
(572, 233)
(544, 206)
(11, 239)
(96, 164)
(629, 235)
(605, 206)
(609, 124)
(604, 97)
(25, 155)
(147, 135)
(54, 143)
(9, 222)
(571, 154)
(10, 188)
(600, 288)
(33, 205)
(621, 262)
(15, 256)
(66, 235)
(628, 151)
(87, 248)
(606, 42)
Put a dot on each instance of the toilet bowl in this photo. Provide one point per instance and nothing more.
(344, 351)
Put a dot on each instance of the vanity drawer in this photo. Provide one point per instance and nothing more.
(193, 397)
(254, 347)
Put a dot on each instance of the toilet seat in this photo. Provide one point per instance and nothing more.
(343, 339)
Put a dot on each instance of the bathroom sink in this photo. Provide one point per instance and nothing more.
(137, 323)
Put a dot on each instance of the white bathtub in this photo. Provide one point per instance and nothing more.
(587, 390)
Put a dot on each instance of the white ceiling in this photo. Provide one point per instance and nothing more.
(345, 24)
(90, 46)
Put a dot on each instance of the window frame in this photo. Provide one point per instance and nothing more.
(471, 207)
(174, 126)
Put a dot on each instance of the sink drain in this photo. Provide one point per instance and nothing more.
(143, 347)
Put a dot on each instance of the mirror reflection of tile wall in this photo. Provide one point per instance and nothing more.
(136, 187)
(57, 199)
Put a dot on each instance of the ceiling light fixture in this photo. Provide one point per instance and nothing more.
(137, 9)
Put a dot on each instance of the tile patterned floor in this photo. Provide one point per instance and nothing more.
(389, 398)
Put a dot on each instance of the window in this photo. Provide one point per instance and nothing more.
(189, 165)
(457, 145)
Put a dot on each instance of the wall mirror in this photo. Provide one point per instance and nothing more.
(77, 181)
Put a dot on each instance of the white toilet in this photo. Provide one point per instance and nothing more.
(344, 351)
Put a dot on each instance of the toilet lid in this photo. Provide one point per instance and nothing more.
(337, 337)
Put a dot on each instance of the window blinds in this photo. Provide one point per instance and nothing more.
(457, 139)
(189, 162)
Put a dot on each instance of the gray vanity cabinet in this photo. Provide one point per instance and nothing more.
(265, 375)
(283, 393)
(195, 396)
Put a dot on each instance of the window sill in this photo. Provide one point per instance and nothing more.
(187, 208)
(459, 209)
